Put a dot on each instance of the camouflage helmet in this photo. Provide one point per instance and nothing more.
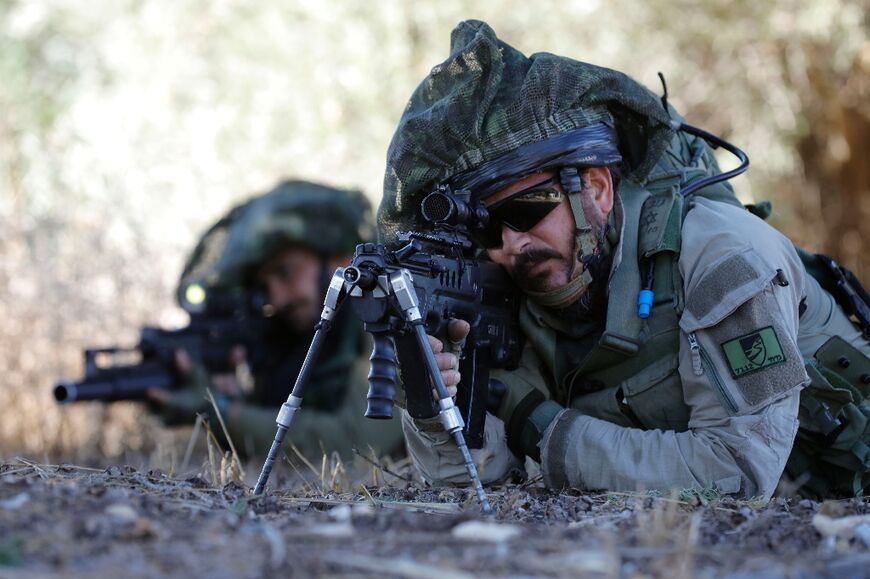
(326, 220)
(488, 100)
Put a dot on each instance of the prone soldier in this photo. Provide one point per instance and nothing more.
(672, 338)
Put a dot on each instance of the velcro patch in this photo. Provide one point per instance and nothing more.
(763, 363)
(753, 352)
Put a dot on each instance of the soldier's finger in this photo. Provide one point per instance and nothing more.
(447, 361)
(451, 391)
(158, 395)
(237, 356)
(457, 330)
(450, 377)
(226, 384)
(435, 344)
(183, 362)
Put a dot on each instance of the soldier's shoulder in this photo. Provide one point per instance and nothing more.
(712, 231)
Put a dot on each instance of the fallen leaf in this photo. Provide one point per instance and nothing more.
(240, 507)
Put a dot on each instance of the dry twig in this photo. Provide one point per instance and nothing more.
(368, 495)
(308, 487)
(188, 452)
(236, 465)
(400, 567)
(432, 508)
(380, 466)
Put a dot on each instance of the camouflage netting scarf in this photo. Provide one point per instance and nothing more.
(488, 99)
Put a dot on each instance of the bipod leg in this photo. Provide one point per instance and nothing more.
(449, 413)
(331, 304)
(450, 416)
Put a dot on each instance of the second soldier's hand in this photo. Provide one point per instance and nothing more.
(184, 366)
(448, 362)
(227, 383)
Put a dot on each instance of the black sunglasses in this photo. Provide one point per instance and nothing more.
(519, 212)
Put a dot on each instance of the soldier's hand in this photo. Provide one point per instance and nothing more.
(448, 358)
(228, 383)
(182, 405)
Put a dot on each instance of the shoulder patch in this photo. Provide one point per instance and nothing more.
(764, 363)
(753, 352)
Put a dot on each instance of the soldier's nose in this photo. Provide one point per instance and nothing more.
(513, 242)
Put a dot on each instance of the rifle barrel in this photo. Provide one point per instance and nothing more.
(113, 386)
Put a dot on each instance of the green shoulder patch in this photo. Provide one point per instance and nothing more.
(753, 352)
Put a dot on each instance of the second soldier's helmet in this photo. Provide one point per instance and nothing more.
(324, 219)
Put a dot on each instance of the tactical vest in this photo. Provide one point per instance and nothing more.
(626, 372)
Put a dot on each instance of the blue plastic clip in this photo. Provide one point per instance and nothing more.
(646, 295)
(644, 303)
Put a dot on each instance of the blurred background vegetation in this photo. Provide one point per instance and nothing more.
(127, 126)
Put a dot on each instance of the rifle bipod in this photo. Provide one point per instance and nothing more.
(348, 282)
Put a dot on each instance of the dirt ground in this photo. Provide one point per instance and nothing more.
(71, 521)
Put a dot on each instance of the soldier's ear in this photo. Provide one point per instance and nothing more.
(599, 183)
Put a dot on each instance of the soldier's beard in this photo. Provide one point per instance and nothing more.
(528, 260)
(569, 267)
(592, 304)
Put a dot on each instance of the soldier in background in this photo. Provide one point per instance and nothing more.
(284, 245)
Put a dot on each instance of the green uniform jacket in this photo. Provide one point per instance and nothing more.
(710, 399)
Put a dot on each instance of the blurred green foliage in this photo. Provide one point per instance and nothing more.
(130, 125)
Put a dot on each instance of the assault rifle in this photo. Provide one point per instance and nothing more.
(224, 321)
(401, 296)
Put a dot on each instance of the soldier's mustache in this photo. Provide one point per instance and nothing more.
(528, 259)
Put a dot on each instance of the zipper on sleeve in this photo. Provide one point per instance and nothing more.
(702, 363)
(696, 355)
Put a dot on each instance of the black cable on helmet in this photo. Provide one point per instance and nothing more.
(715, 142)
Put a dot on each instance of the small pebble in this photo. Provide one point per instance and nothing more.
(121, 512)
(341, 513)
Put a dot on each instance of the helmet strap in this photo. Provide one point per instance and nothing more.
(573, 185)
(564, 296)
(585, 242)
